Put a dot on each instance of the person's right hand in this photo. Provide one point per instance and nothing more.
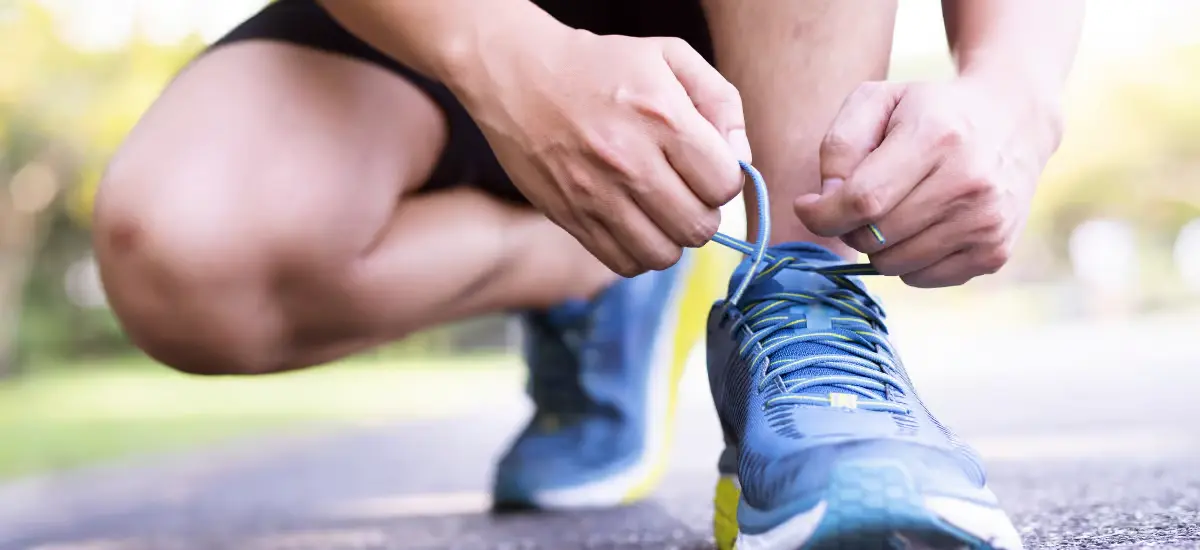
(630, 144)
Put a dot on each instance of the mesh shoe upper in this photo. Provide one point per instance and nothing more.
(803, 377)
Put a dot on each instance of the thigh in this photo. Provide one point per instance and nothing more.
(466, 158)
(274, 139)
(263, 168)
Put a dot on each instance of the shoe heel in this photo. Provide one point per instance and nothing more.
(725, 504)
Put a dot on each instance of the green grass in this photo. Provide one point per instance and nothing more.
(64, 417)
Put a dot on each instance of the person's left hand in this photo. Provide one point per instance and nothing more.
(946, 172)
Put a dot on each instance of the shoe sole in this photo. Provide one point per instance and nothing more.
(870, 505)
(701, 277)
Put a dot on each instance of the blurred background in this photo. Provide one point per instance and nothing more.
(1110, 260)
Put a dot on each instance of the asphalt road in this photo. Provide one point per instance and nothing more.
(1090, 431)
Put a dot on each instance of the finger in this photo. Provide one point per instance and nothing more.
(880, 182)
(715, 98)
(710, 136)
(641, 238)
(674, 208)
(954, 270)
(592, 234)
(931, 202)
(858, 128)
(929, 247)
(703, 161)
(869, 239)
(986, 256)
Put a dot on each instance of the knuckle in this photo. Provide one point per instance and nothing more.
(673, 43)
(854, 241)
(860, 241)
(916, 281)
(886, 265)
(864, 91)
(585, 202)
(820, 225)
(729, 188)
(864, 204)
(625, 268)
(946, 136)
(656, 105)
(704, 229)
(927, 281)
(992, 259)
(992, 222)
(729, 94)
(639, 186)
(835, 143)
(664, 257)
(979, 188)
(616, 153)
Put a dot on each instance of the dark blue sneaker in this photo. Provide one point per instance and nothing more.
(603, 376)
(827, 443)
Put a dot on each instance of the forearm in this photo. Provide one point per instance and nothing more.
(1027, 44)
(447, 40)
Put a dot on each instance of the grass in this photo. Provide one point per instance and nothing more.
(63, 417)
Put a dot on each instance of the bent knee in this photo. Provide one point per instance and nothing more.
(188, 282)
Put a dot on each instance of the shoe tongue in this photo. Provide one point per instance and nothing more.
(819, 316)
(788, 280)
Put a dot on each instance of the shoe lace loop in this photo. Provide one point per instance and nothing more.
(866, 371)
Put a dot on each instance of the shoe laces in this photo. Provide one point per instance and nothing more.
(865, 373)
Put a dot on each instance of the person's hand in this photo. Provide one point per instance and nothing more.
(945, 172)
(630, 144)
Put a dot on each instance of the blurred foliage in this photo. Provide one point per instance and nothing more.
(1132, 152)
(67, 110)
(86, 101)
(1132, 149)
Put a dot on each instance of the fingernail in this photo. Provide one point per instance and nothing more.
(830, 184)
(740, 145)
(805, 200)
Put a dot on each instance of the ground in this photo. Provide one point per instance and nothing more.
(1087, 427)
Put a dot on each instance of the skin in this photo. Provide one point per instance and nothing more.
(237, 233)
(632, 155)
(947, 170)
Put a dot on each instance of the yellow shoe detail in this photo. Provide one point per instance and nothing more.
(725, 504)
(704, 281)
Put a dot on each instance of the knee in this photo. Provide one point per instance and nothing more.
(186, 277)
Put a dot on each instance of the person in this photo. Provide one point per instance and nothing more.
(334, 175)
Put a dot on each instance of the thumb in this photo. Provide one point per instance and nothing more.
(858, 129)
(715, 98)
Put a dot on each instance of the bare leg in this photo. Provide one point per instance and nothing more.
(795, 61)
(260, 218)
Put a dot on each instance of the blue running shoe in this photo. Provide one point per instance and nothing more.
(603, 376)
(827, 444)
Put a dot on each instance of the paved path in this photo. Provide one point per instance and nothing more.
(1088, 449)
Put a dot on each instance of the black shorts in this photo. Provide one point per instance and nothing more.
(468, 160)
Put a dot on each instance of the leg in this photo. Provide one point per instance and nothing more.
(604, 374)
(827, 443)
(794, 63)
(257, 219)
(266, 215)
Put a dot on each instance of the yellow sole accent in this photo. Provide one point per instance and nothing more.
(704, 282)
(725, 504)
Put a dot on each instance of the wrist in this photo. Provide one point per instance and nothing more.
(1033, 97)
(473, 62)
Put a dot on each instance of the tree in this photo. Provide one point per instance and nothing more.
(62, 113)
